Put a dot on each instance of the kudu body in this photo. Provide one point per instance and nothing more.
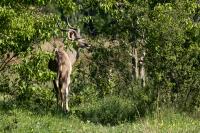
(63, 64)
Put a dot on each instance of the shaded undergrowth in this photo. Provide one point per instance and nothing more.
(110, 111)
(17, 119)
(107, 111)
(110, 114)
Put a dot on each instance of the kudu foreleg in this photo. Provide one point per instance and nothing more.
(58, 92)
(65, 94)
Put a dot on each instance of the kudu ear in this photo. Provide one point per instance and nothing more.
(72, 35)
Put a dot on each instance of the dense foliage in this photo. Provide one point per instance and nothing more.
(168, 32)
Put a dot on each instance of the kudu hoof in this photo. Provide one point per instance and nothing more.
(66, 111)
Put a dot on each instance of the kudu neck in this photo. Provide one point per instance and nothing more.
(73, 54)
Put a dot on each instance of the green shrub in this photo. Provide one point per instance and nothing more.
(110, 111)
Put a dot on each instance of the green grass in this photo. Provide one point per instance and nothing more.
(21, 120)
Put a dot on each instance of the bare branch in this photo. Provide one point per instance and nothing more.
(3, 65)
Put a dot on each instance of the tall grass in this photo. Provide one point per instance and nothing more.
(21, 120)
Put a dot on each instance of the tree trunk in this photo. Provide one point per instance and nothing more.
(135, 69)
(142, 69)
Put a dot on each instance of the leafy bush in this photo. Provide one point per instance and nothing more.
(109, 111)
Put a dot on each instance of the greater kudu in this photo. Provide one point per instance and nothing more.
(63, 64)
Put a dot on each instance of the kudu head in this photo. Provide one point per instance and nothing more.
(73, 34)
